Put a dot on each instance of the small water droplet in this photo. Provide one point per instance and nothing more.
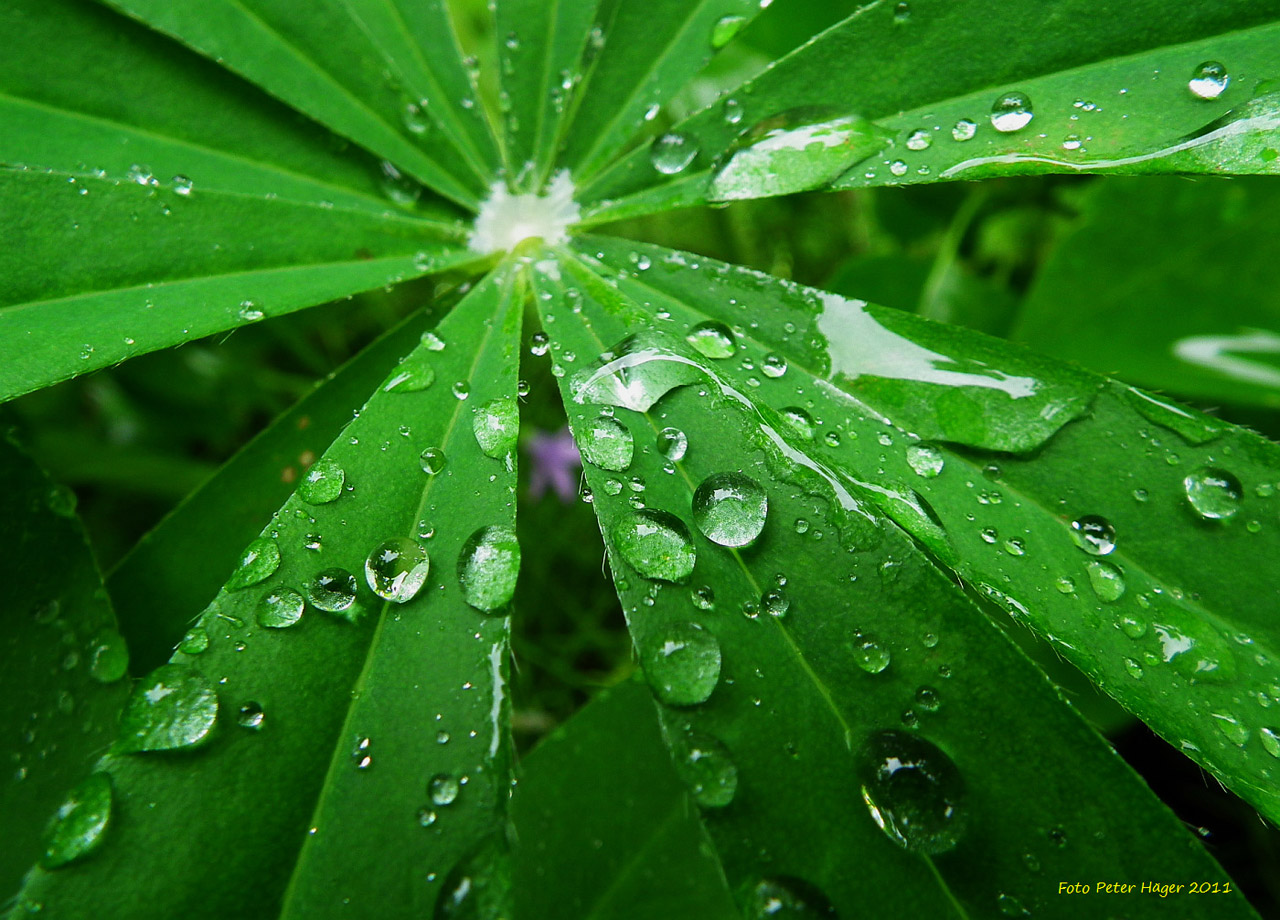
(1011, 907)
(712, 340)
(913, 791)
(175, 706)
(1209, 80)
(775, 602)
(605, 442)
(1011, 112)
(672, 153)
(322, 483)
(725, 29)
(362, 753)
(928, 699)
(684, 666)
(397, 569)
(488, 568)
(258, 562)
(443, 789)
(925, 459)
(1107, 581)
(672, 444)
(703, 597)
(732, 111)
(964, 130)
(1093, 534)
(426, 817)
(1231, 728)
(774, 365)
(461, 389)
(413, 374)
(195, 642)
(1134, 668)
(656, 544)
(539, 342)
(432, 460)
(786, 898)
(1270, 738)
(334, 591)
(919, 140)
(251, 716)
(280, 609)
(730, 509)
(496, 426)
(80, 823)
(1214, 494)
(869, 654)
(706, 767)
(108, 656)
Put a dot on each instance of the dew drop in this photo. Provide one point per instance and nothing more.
(913, 791)
(175, 706)
(672, 444)
(443, 789)
(1231, 728)
(397, 569)
(80, 823)
(919, 140)
(539, 342)
(925, 459)
(1093, 534)
(775, 602)
(496, 426)
(258, 562)
(730, 509)
(195, 642)
(774, 365)
(1011, 112)
(1209, 80)
(413, 374)
(656, 544)
(488, 568)
(725, 29)
(251, 716)
(786, 898)
(706, 767)
(869, 654)
(1214, 494)
(964, 130)
(672, 153)
(712, 340)
(108, 656)
(432, 460)
(280, 609)
(605, 442)
(1106, 580)
(684, 667)
(334, 591)
(1270, 738)
(322, 483)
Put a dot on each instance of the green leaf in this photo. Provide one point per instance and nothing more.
(1118, 538)
(113, 268)
(634, 849)
(540, 48)
(333, 799)
(650, 51)
(369, 87)
(814, 650)
(85, 90)
(185, 556)
(61, 687)
(1198, 315)
(1119, 101)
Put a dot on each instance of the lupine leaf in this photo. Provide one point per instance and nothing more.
(62, 684)
(309, 748)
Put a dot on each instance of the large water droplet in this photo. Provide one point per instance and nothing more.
(1209, 80)
(413, 374)
(869, 654)
(432, 460)
(78, 827)
(730, 509)
(713, 340)
(656, 544)
(175, 706)
(1094, 534)
(108, 656)
(1011, 112)
(1214, 494)
(280, 609)
(1106, 580)
(672, 444)
(497, 425)
(786, 898)
(1270, 738)
(672, 153)
(489, 567)
(913, 790)
(925, 459)
(684, 667)
(635, 374)
(258, 562)
(605, 442)
(322, 482)
(725, 29)
(195, 642)
(334, 591)
(707, 769)
(397, 569)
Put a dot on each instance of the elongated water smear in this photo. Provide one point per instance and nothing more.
(506, 219)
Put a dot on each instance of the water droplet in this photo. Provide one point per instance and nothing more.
(712, 340)
(280, 609)
(786, 898)
(1209, 80)
(800, 422)
(707, 769)
(684, 667)
(1011, 906)
(925, 459)
(1133, 627)
(413, 374)
(249, 312)
(928, 699)
(251, 716)
(108, 656)
(362, 753)
(1107, 581)
(1231, 728)
(775, 602)
(426, 817)
(964, 130)
(397, 569)
(195, 642)
(258, 562)
(605, 442)
(334, 591)
(913, 790)
(488, 568)
(443, 789)
(774, 365)
(1134, 668)
(703, 597)
(919, 140)
(1213, 493)
(732, 111)
(730, 509)
(539, 342)
(182, 186)
(1011, 112)
(322, 483)
(432, 460)
(175, 706)
(656, 544)
(672, 153)
(80, 823)
(496, 425)
(725, 29)
(1094, 534)
(672, 444)
(869, 655)
(902, 12)
(1270, 738)
(898, 167)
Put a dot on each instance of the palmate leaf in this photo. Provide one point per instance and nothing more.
(1131, 572)
(634, 849)
(805, 649)
(1164, 325)
(895, 95)
(61, 685)
(310, 747)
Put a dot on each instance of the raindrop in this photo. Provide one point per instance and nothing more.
(730, 509)
(775, 602)
(704, 598)
(488, 568)
(432, 460)
(538, 344)
(672, 153)
(175, 706)
(443, 789)
(672, 444)
(1094, 535)
(413, 374)
(280, 609)
(322, 482)
(108, 656)
(397, 569)
(258, 562)
(919, 140)
(784, 898)
(684, 667)
(913, 790)
(869, 655)
(799, 421)
(1107, 581)
(461, 390)
(1011, 907)
(79, 825)
(707, 769)
(1231, 728)
(712, 340)
(1209, 80)
(925, 459)
(251, 716)
(964, 130)
(732, 111)
(928, 699)
(774, 365)
(1270, 738)
(182, 186)
(656, 544)
(362, 753)
(195, 642)
(725, 29)
(605, 442)
(496, 425)
(1011, 112)
(426, 817)
(1214, 494)
(334, 591)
